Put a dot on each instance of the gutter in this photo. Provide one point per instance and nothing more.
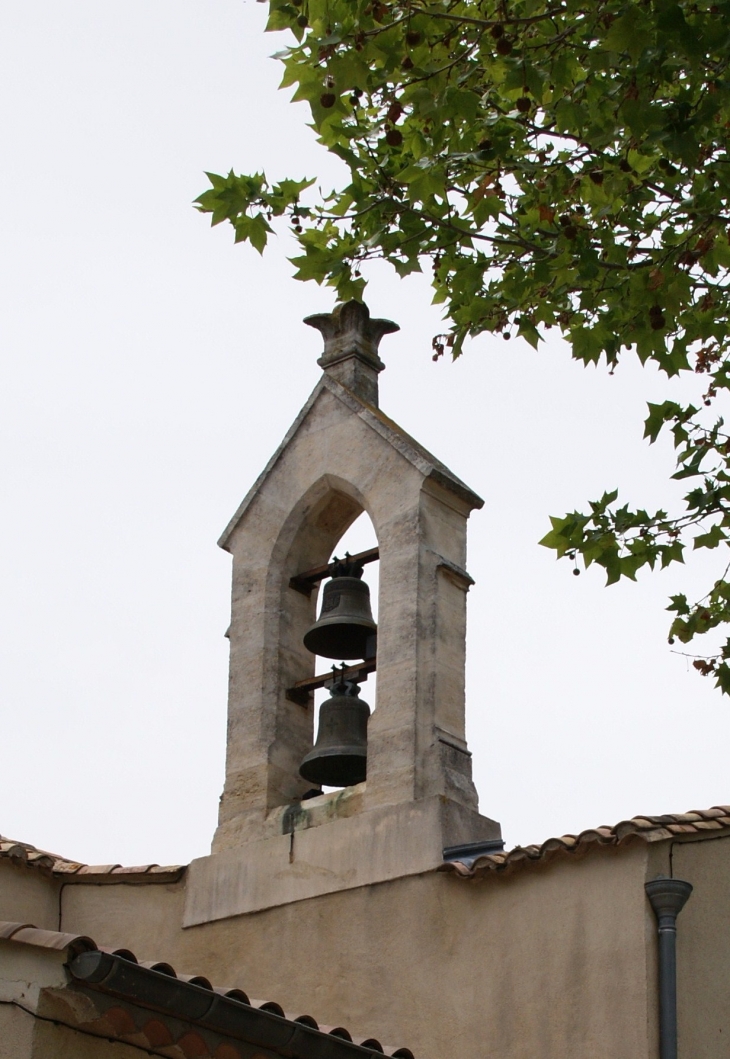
(668, 897)
(224, 1015)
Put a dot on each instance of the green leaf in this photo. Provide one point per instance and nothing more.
(679, 604)
(254, 230)
(722, 678)
(711, 539)
(578, 183)
(630, 33)
(659, 415)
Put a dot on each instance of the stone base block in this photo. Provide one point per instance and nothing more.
(389, 842)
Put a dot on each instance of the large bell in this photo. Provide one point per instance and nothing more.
(339, 757)
(345, 622)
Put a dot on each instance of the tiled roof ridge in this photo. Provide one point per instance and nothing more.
(646, 828)
(75, 944)
(52, 863)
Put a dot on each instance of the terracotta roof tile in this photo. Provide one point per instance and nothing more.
(27, 934)
(8, 929)
(52, 863)
(66, 867)
(140, 869)
(51, 939)
(646, 828)
(97, 869)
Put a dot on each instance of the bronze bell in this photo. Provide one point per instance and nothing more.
(345, 621)
(339, 756)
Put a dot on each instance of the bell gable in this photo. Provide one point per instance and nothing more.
(342, 457)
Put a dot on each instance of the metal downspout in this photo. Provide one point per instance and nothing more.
(668, 897)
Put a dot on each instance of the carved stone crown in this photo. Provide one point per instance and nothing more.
(350, 334)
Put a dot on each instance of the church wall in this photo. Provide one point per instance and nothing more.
(28, 896)
(55, 1041)
(703, 949)
(145, 918)
(552, 962)
(16, 1032)
(62, 1042)
(556, 961)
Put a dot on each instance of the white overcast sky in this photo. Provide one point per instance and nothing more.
(150, 368)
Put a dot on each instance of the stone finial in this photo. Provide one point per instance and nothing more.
(351, 340)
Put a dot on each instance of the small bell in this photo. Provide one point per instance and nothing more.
(339, 756)
(345, 628)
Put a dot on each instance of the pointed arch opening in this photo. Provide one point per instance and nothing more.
(359, 537)
(329, 521)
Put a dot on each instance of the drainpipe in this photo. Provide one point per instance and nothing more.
(668, 897)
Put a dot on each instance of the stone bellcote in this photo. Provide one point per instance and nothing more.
(341, 457)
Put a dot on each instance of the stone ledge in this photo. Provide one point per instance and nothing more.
(386, 843)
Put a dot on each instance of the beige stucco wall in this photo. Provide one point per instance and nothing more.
(553, 962)
(28, 895)
(703, 949)
(146, 919)
(550, 963)
(16, 1032)
(24, 1037)
(34, 1004)
(61, 1042)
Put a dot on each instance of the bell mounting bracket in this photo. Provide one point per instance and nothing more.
(306, 581)
(303, 689)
